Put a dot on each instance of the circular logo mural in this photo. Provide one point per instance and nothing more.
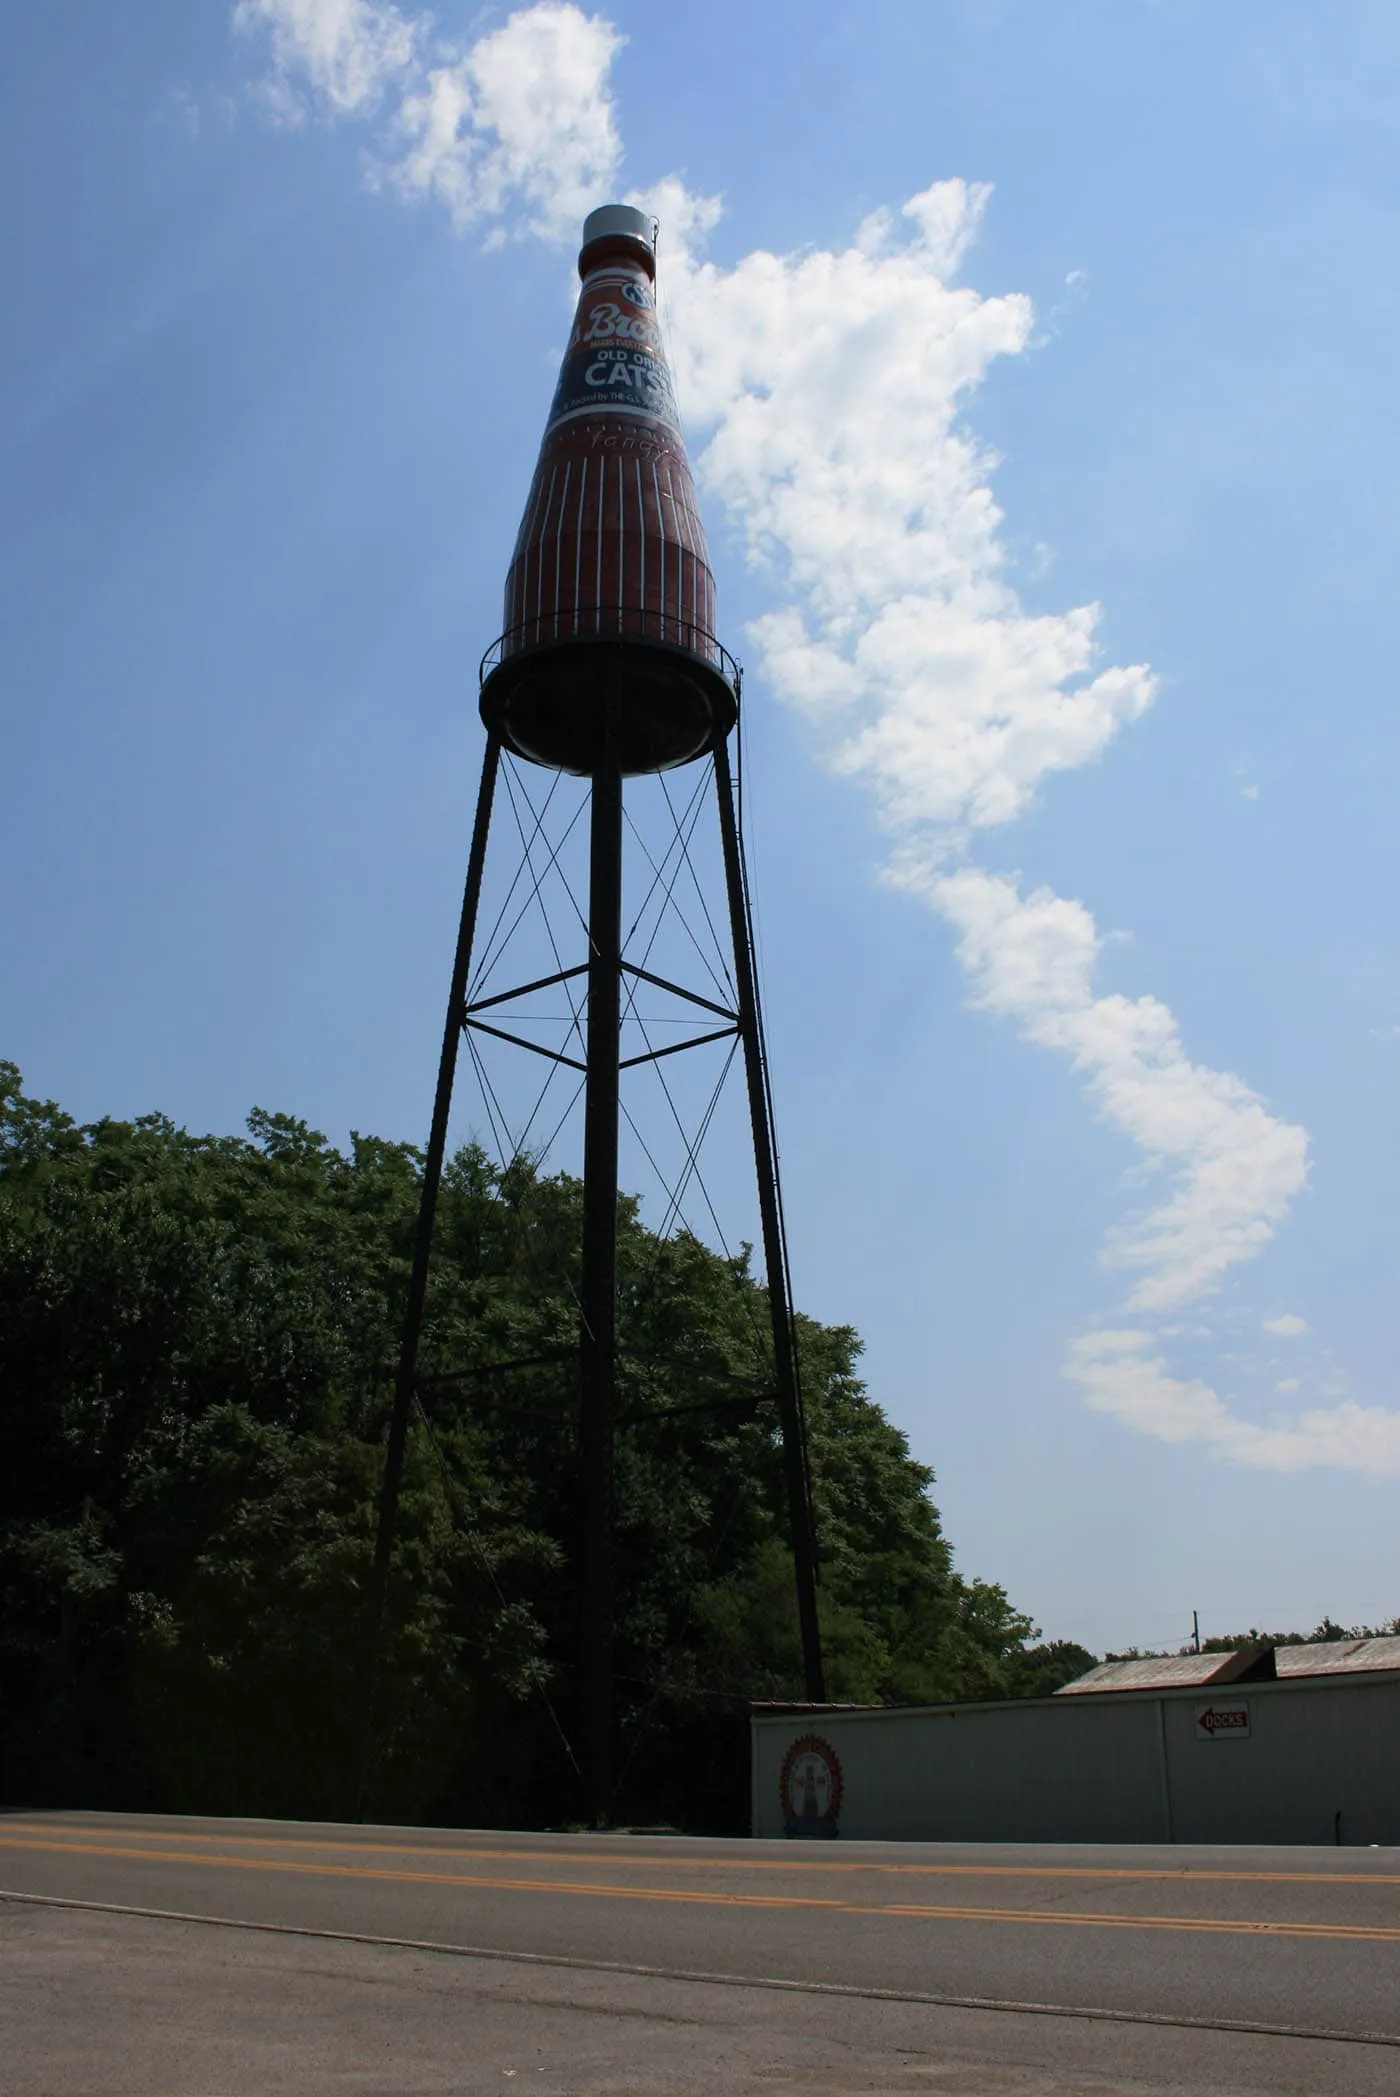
(810, 1787)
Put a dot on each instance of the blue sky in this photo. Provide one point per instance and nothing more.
(1078, 928)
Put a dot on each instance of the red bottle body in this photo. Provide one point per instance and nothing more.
(611, 543)
(609, 651)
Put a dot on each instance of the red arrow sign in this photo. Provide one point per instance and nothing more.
(1223, 1721)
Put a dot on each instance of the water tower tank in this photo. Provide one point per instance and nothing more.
(610, 596)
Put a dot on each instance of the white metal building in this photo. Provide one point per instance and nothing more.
(1200, 1748)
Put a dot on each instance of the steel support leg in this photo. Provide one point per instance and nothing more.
(422, 1252)
(774, 1249)
(598, 1283)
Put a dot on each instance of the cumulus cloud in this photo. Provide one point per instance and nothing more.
(1288, 1327)
(520, 122)
(339, 55)
(832, 384)
(524, 114)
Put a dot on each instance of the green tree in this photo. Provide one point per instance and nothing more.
(1038, 1671)
(197, 1339)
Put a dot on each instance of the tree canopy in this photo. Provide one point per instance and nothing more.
(197, 1339)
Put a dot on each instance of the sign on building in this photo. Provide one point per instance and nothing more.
(1220, 1721)
(810, 1787)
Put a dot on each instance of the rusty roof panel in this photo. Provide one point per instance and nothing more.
(1170, 1671)
(1341, 1656)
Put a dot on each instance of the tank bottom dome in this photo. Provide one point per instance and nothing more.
(550, 703)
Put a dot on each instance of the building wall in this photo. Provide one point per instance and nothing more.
(1129, 1768)
(1315, 1750)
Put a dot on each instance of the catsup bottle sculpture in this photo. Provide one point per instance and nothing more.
(610, 599)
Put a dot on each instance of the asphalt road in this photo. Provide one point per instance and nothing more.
(403, 1960)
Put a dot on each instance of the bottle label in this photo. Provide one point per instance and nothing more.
(614, 364)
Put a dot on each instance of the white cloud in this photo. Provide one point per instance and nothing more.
(1288, 1327)
(345, 53)
(831, 388)
(1133, 1387)
(521, 122)
(526, 114)
(831, 385)
(1236, 1167)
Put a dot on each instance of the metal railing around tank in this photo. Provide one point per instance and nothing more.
(613, 623)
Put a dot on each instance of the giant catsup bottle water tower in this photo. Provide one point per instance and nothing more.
(609, 668)
(611, 548)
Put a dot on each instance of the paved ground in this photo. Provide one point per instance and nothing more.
(1154, 1953)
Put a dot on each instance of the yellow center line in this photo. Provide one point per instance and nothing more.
(824, 1864)
(1210, 1925)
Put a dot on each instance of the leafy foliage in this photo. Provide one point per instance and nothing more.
(1324, 1634)
(197, 1337)
(1040, 1670)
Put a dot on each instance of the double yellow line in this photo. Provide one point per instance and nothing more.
(678, 1859)
(369, 1874)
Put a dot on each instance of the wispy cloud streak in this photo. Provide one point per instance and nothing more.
(1119, 1374)
(834, 385)
(1237, 1167)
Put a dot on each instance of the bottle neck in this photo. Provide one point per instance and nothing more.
(614, 250)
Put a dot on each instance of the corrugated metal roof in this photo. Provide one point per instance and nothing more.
(1253, 1664)
(1341, 1656)
(1176, 1671)
(1172, 1671)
